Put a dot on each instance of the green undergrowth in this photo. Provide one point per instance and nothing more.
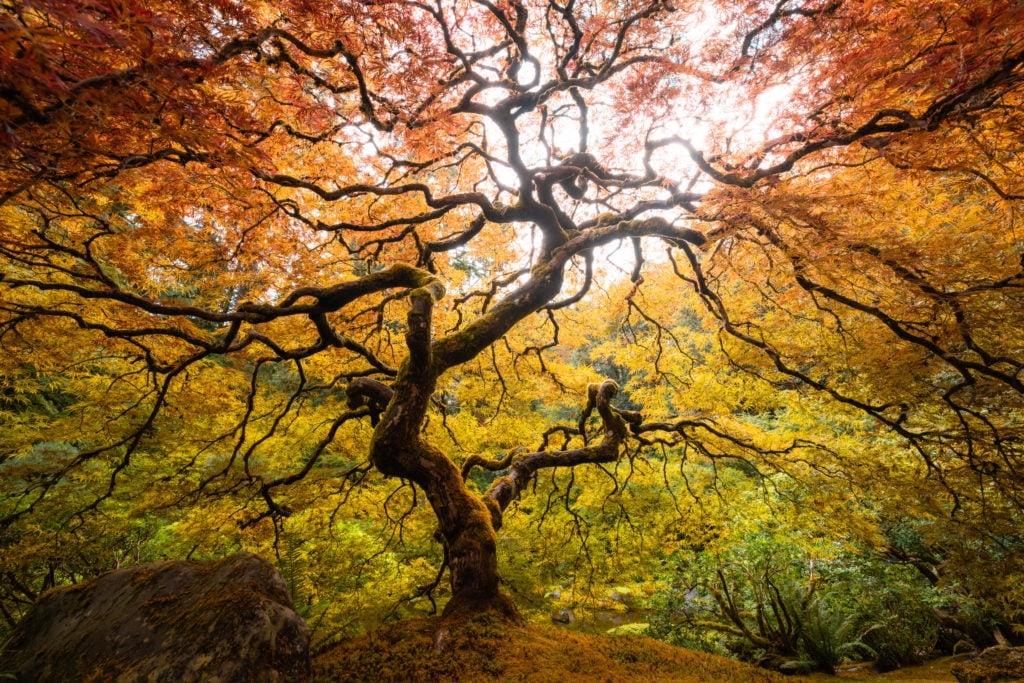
(485, 649)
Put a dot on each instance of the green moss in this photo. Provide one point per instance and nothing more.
(637, 629)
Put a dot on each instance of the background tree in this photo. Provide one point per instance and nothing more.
(246, 247)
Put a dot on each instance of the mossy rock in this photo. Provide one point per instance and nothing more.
(228, 620)
(998, 663)
(637, 629)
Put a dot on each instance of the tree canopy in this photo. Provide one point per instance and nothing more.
(254, 255)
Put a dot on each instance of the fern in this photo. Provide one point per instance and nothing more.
(829, 636)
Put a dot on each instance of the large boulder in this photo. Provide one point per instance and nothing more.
(999, 663)
(223, 621)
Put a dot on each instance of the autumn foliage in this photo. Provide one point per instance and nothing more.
(601, 263)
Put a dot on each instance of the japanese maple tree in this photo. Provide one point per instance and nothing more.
(374, 194)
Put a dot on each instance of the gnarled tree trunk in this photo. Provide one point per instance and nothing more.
(468, 529)
(465, 522)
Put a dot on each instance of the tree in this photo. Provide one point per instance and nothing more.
(221, 218)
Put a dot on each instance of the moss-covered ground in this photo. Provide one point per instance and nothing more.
(487, 650)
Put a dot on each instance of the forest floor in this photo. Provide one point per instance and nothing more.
(936, 670)
(488, 650)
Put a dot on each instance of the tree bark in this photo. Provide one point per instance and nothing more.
(467, 527)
